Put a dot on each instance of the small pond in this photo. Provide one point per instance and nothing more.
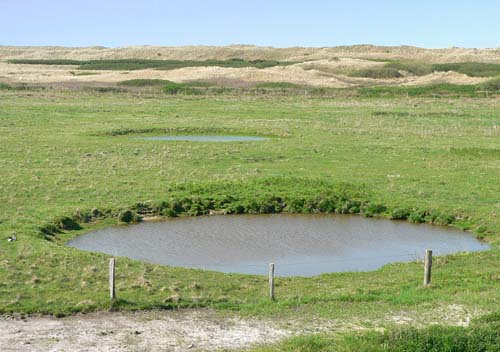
(202, 138)
(302, 245)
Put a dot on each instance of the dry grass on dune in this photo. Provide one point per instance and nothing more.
(320, 67)
(249, 52)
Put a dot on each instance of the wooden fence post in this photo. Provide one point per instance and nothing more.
(427, 267)
(112, 292)
(271, 281)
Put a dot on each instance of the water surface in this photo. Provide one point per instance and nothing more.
(303, 245)
(202, 138)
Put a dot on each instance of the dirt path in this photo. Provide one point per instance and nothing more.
(144, 331)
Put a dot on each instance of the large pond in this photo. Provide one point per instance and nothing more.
(303, 245)
(205, 138)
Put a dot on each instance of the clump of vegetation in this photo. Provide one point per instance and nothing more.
(5, 86)
(377, 73)
(173, 88)
(129, 216)
(419, 68)
(20, 87)
(142, 82)
(139, 64)
(104, 89)
(472, 69)
(416, 68)
(491, 85)
(44, 62)
(201, 84)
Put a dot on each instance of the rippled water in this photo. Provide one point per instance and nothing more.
(304, 245)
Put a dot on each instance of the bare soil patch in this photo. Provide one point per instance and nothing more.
(144, 331)
(197, 329)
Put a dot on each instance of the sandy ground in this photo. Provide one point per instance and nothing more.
(321, 67)
(145, 331)
(197, 329)
(298, 74)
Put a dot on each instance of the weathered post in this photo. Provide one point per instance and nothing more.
(271, 281)
(112, 292)
(427, 267)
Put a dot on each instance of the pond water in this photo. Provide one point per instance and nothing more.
(205, 138)
(302, 245)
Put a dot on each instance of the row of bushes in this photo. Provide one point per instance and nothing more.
(20, 87)
(266, 196)
(393, 69)
(139, 64)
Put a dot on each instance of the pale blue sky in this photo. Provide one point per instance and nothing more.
(426, 23)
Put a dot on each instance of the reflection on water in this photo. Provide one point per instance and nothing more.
(303, 245)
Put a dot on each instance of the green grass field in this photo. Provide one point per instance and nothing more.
(69, 160)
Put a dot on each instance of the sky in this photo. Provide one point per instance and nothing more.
(279, 23)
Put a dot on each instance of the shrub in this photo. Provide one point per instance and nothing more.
(129, 216)
(400, 214)
(372, 209)
(491, 85)
(138, 64)
(178, 88)
(417, 216)
(377, 72)
(67, 223)
(413, 67)
(473, 69)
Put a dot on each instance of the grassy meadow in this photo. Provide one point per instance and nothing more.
(70, 162)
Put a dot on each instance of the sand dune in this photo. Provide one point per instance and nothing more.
(326, 67)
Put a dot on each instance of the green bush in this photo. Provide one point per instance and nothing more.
(473, 69)
(413, 67)
(491, 85)
(400, 214)
(129, 216)
(139, 64)
(179, 88)
(417, 216)
(377, 72)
